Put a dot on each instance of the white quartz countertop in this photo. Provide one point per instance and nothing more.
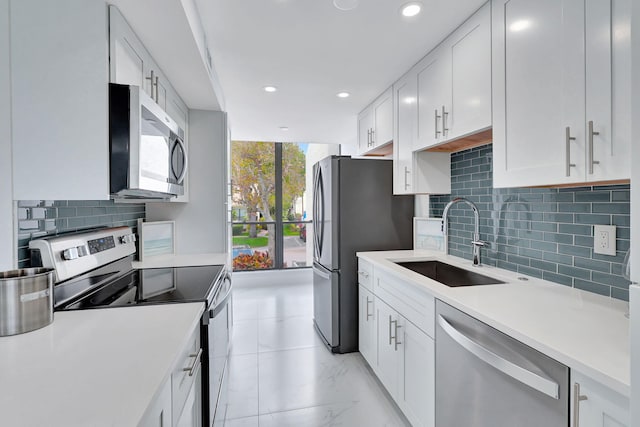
(98, 367)
(182, 260)
(585, 331)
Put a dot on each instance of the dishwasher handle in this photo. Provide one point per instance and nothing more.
(533, 380)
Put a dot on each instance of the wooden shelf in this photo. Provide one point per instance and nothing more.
(470, 141)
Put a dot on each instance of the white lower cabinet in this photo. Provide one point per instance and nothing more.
(418, 389)
(158, 414)
(179, 402)
(367, 326)
(400, 353)
(594, 405)
(389, 367)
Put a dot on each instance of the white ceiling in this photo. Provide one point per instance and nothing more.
(311, 50)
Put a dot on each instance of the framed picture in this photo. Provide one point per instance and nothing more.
(156, 238)
(427, 234)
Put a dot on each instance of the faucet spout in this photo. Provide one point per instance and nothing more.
(476, 243)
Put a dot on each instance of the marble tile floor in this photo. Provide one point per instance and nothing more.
(281, 375)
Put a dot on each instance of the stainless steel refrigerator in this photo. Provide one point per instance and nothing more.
(354, 209)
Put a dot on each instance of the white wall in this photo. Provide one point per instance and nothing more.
(7, 243)
(201, 223)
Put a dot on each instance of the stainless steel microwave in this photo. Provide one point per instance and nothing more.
(148, 157)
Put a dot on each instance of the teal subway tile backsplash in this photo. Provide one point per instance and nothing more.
(542, 232)
(40, 218)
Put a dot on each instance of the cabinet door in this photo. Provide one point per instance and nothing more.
(538, 92)
(129, 58)
(158, 414)
(192, 413)
(383, 119)
(390, 357)
(59, 100)
(367, 326)
(433, 97)
(418, 390)
(365, 126)
(470, 53)
(608, 79)
(599, 407)
(405, 117)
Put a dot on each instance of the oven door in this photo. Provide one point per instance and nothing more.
(218, 334)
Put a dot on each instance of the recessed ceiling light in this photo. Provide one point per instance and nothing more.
(270, 88)
(343, 94)
(284, 128)
(345, 4)
(411, 9)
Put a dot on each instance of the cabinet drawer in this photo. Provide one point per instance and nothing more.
(184, 373)
(416, 306)
(365, 274)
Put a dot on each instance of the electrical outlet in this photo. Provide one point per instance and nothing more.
(604, 239)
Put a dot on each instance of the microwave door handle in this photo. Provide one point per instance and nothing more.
(183, 173)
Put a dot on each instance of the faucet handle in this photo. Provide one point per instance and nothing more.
(478, 242)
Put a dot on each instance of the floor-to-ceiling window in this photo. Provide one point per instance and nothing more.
(271, 222)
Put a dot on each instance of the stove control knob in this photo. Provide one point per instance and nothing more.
(74, 253)
(129, 238)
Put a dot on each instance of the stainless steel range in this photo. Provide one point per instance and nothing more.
(93, 270)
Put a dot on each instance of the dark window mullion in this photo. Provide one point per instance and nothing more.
(279, 243)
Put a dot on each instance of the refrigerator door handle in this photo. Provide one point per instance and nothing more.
(316, 214)
(321, 271)
(319, 212)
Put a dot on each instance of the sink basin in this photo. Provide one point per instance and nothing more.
(448, 274)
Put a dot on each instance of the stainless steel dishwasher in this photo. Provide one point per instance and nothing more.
(485, 378)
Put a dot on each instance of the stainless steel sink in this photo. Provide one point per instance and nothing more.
(448, 274)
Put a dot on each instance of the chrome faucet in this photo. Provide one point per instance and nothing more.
(476, 243)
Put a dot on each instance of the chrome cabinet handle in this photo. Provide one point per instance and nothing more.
(445, 129)
(157, 85)
(590, 148)
(577, 398)
(518, 373)
(406, 182)
(369, 315)
(390, 338)
(395, 338)
(153, 80)
(196, 360)
(368, 137)
(436, 124)
(568, 138)
(373, 141)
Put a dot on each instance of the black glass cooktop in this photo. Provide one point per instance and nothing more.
(151, 286)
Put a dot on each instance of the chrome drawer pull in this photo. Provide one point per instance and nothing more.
(196, 360)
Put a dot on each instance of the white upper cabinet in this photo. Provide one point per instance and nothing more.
(375, 123)
(405, 126)
(433, 83)
(454, 84)
(560, 91)
(132, 64)
(414, 172)
(59, 102)
(470, 51)
(130, 61)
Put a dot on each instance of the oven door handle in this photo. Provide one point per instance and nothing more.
(219, 306)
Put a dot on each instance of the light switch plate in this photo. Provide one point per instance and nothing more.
(604, 239)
